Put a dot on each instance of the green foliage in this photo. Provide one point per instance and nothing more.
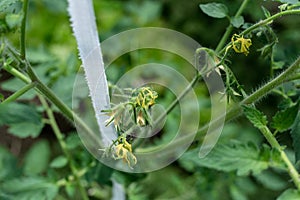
(257, 118)
(17, 116)
(295, 133)
(237, 22)
(37, 158)
(289, 194)
(239, 157)
(284, 119)
(216, 10)
(239, 167)
(59, 162)
(8, 165)
(28, 188)
(10, 15)
(288, 1)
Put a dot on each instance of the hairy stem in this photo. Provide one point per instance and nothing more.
(255, 96)
(236, 110)
(265, 22)
(230, 27)
(274, 143)
(63, 146)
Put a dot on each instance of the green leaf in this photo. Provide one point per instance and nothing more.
(257, 118)
(63, 88)
(288, 1)
(216, 10)
(28, 188)
(271, 180)
(284, 119)
(289, 194)
(8, 164)
(237, 22)
(295, 133)
(243, 158)
(37, 158)
(266, 12)
(73, 141)
(59, 162)
(17, 116)
(13, 20)
(278, 64)
(4, 4)
(236, 193)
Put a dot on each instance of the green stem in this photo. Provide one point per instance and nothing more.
(274, 143)
(254, 97)
(23, 29)
(20, 92)
(42, 88)
(268, 20)
(236, 110)
(273, 83)
(265, 22)
(230, 27)
(63, 146)
(17, 73)
(181, 96)
(139, 141)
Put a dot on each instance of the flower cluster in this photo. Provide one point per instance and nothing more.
(137, 108)
(240, 44)
(143, 98)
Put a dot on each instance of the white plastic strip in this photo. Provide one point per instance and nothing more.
(85, 31)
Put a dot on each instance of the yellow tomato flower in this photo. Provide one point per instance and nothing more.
(124, 151)
(240, 44)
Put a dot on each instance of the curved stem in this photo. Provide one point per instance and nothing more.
(265, 22)
(230, 27)
(63, 146)
(236, 110)
(47, 92)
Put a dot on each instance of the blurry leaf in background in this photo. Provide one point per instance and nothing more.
(37, 158)
(288, 1)
(4, 4)
(8, 165)
(243, 158)
(271, 180)
(145, 11)
(28, 188)
(17, 116)
(63, 88)
(295, 133)
(216, 10)
(237, 22)
(13, 20)
(14, 84)
(289, 194)
(59, 162)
